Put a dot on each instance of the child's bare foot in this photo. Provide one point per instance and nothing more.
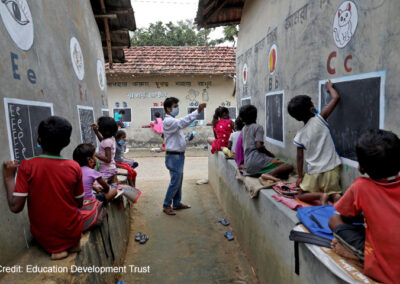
(342, 250)
(324, 198)
(59, 255)
(269, 177)
(76, 248)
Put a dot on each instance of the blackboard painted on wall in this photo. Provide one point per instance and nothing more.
(246, 101)
(232, 112)
(154, 110)
(192, 109)
(86, 119)
(274, 118)
(23, 118)
(127, 117)
(105, 112)
(361, 107)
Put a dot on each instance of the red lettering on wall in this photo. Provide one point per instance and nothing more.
(330, 69)
(346, 67)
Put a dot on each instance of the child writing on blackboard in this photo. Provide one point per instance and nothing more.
(123, 163)
(315, 145)
(53, 187)
(85, 156)
(222, 128)
(105, 130)
(374, 200)
(258, 161)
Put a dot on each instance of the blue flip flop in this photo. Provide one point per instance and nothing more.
(229, 236)
(223, 221)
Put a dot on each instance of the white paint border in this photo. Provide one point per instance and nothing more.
(79, 119)
(112, 112)
(155, 107)
(22, 102)
(382, 107)
(271, 140)
(105, 109)
(242, 99)
(196, 107)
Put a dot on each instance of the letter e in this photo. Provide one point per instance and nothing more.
(31, 76)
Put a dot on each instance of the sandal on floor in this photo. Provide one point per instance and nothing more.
(223, 221)
(169, 211)
(144, 239)
(138, 236)
(182, 206)
(229, 236)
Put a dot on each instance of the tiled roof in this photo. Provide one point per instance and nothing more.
(170, 60)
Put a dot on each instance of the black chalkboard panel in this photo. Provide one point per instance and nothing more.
(86, 119)
(274, 118)
(246, 101)
(23, 119)
(359, 109)
(105, 112)
(192, 109)
(153, 111)
(127, 117)
(232, 112)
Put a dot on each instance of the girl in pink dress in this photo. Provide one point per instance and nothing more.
(223, 127)
(157, 125)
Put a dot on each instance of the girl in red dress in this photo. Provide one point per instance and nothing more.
(223, 127)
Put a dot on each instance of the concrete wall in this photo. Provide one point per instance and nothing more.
(141, 93)
(304, 41)
(262, 226)
(42, 70)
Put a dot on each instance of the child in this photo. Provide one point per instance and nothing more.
(105, 130)
(123, 163)
(157, 125)
(84, 155)
(53, 187)
(315, 145)
(222, 127)
(257, 159)
(118, 117)
(375, 200)
(235, 135)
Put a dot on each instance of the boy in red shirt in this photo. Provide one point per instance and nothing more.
(53, 187)
(376, 200)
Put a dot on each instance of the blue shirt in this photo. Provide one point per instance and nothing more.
(117, 116)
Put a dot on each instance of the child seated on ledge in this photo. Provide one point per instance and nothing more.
(53, 187)
(120, 161)
(257, 159)
(84, 155)
(375, 200)
(315, 145)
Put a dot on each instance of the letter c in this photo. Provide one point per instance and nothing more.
(330, 69)
(346, 67)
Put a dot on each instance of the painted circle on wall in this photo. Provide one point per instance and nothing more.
(101, 74)
(245, 74)
(77, 58)
(345, 23)
(272, 59)
(17, 19)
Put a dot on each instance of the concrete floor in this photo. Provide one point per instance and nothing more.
(189, 247)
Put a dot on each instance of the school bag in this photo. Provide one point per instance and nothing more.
(93, 213)
(316, 219)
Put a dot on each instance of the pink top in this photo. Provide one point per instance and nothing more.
(158, 127)
(107, 143)
(89, 176)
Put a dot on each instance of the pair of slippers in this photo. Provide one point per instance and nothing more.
(227, 234)
(141, 238)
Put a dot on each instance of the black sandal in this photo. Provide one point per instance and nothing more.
(144, 239)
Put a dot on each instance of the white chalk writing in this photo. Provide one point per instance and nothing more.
(145, 95)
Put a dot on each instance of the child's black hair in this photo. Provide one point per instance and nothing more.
(157, 114)
(55, 133)
(239, 124)
(219, 113)
(120, 133)
(169, 102)
(248, 113)
(300, 107)
(107, 126)
(378, 153)
(121, 111)
(82, 152)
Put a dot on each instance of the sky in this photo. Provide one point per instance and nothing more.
(151, 11)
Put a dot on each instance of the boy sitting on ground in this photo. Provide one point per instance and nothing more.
(315, 145)
(53, 187)
(375, 200)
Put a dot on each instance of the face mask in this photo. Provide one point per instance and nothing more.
(38, 145)
(175, 111)
(121, 142)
